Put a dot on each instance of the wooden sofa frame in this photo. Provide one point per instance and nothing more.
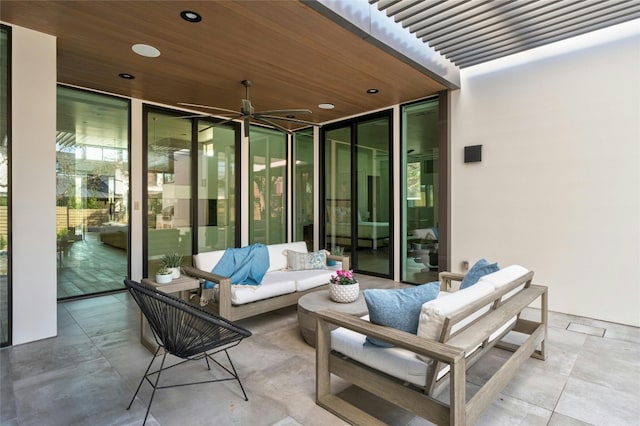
(421, 400)
(226, 309)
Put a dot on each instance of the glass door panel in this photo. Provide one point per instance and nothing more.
(420, 192)
(268, 178)
(371, 212)
(216, 187)
(169, 218)
(5, 161)
(303, 188)
(337, 185)
(92, 192)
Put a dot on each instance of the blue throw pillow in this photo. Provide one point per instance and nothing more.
(398, 308)
(477, 271)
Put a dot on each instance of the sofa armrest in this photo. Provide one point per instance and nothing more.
(224, 287)
(447, 277)
(343, 259)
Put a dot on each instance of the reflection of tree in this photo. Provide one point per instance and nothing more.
(95, 175)
(413, 180)
(259, 202)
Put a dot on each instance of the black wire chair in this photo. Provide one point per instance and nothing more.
(186, 331)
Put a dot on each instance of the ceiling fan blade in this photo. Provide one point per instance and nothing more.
(208, 107)
(293, 120)
(271, 123)
(284, 111)
(220, 123)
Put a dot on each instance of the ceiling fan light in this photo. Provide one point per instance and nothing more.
(326, 106)
(145, 50)
(190, 16)
(372, 91)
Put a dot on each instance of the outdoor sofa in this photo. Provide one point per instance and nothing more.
(454, 331)
(281, 286)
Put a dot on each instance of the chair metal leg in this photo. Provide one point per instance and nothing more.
(164, 357)
(235, 373)
(144, 376)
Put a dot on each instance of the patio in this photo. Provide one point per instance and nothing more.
(87, 374)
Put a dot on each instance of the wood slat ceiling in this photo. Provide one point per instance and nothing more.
(472, 32)
(295, 57)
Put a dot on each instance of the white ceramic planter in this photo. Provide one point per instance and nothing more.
(344, 293)
(164, 279)
(175, 272)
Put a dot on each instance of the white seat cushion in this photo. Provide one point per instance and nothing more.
(270, 287)
(310, 278)
(395, 361)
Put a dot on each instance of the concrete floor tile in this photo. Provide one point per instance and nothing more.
(598, 405)
(558, 419)
(622, 367)
(508, 411)
(88, 374)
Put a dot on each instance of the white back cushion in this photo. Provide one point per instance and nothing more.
(504, 276)
(435, 311)
(206, 261)
(277, 256)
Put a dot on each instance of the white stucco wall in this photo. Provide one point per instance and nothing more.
(33, 159)
(558, 188)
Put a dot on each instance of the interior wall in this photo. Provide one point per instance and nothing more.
(33, 156)
(558, 187)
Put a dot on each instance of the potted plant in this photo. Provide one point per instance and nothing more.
(172, 262)
(164, 275)
(343, 287)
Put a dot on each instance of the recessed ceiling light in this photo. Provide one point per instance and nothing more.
(326, 106)
(190, 16)
(372, 91)
(145, 50)
(126, 76)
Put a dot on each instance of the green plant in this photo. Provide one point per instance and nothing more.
(164, 271)
(171, 260)
(338, 251)
(63, 234)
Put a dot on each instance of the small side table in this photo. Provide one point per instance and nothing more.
(182, 286)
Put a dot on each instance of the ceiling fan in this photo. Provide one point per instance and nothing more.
(248, 114)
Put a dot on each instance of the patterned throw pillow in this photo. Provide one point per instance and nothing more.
(298, 261)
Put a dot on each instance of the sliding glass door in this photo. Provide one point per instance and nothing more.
(268, 180)
(191, 180)
(5, 189)
(303, 187)
(216, 187)
(422, 242)
(92, 192)
(358, 192)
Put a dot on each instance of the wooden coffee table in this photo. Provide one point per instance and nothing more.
(310, 303)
